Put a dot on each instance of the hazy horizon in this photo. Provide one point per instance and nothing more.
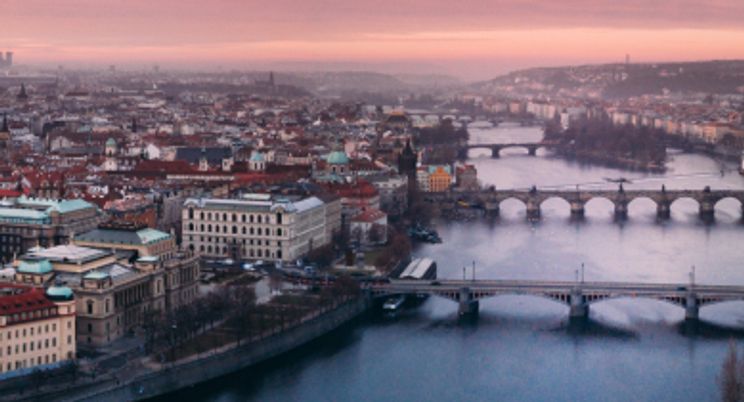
(473, 40)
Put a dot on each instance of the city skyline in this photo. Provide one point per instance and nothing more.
(477, 40)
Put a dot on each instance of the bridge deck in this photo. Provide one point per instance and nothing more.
(517, 286)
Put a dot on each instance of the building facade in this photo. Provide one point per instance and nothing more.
(37, 328)
(128, 272)
(258, 226)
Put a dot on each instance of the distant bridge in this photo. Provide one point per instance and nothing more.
(578, 296)
(531, 147)
(490, 199)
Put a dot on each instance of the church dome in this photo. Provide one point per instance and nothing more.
(337, 158)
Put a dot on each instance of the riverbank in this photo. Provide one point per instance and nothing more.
(152, 379)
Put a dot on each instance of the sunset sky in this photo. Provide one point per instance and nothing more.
(469, 39)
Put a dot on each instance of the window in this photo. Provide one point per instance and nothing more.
(244, 230)
(90, 328)
(201, 215)
(251, 218)
(90, 307)
(191, 213)
(235, 218)
(108, 305)
(224, 217)
(279, 231)
(235, 229)
(278, 218)
(191, 226)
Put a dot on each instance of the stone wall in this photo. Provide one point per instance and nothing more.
(210, 367)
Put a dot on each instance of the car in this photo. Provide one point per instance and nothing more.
(227, 261)
(248, 267)
(436, 283)
(683, 288)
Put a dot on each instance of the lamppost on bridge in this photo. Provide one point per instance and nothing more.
(582, 272)
(692, 276)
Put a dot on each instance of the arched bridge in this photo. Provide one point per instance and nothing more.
(577, 295)
(495, 149)
(490, 199)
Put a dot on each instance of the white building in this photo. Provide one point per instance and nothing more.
(258, 226)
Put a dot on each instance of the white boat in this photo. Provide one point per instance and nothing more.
(393, 303)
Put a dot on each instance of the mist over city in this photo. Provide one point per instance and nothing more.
(371, 201)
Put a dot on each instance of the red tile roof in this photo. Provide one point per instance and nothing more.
(18, 299)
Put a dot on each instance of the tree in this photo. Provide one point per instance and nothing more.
(243, 301)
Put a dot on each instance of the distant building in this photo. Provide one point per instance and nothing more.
(37, 328)
(466, 177)
(434, 178)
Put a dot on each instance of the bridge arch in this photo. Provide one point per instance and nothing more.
(678, 301)
(562, 200)
(683, 199)
(512, 198)
(729, 206)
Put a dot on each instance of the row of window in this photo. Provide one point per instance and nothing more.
(226, 240)
(225, 229)
(38, 345)
(250, 218)
(19, 364)
(39, 330)
(259, 253)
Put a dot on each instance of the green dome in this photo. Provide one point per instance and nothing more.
(110, 142)
(337, 158)
(59, 293)
(35, 267)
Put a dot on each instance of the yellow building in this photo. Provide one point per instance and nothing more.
(440, 178)
(37, 328)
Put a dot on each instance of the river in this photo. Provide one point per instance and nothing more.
(524, 348)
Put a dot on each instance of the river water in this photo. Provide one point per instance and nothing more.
(524, 348)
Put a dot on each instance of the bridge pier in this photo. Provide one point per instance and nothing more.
(692, 308)
(577, 209)
(621, 210)
(578, 308)
(663, 210)
(492, 209)
(533, 210)
(707, 211)
(495, 152)
(532, 151)
(467, 306)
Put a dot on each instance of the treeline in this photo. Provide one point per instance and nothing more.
(444, 133)
(598, 136)
(231, 314)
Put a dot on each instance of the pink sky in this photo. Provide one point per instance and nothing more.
(472, 39)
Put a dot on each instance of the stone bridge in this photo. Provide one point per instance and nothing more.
(576, 295)
(531, 147)
(490, 199)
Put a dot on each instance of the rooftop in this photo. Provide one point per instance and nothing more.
(69, 254)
